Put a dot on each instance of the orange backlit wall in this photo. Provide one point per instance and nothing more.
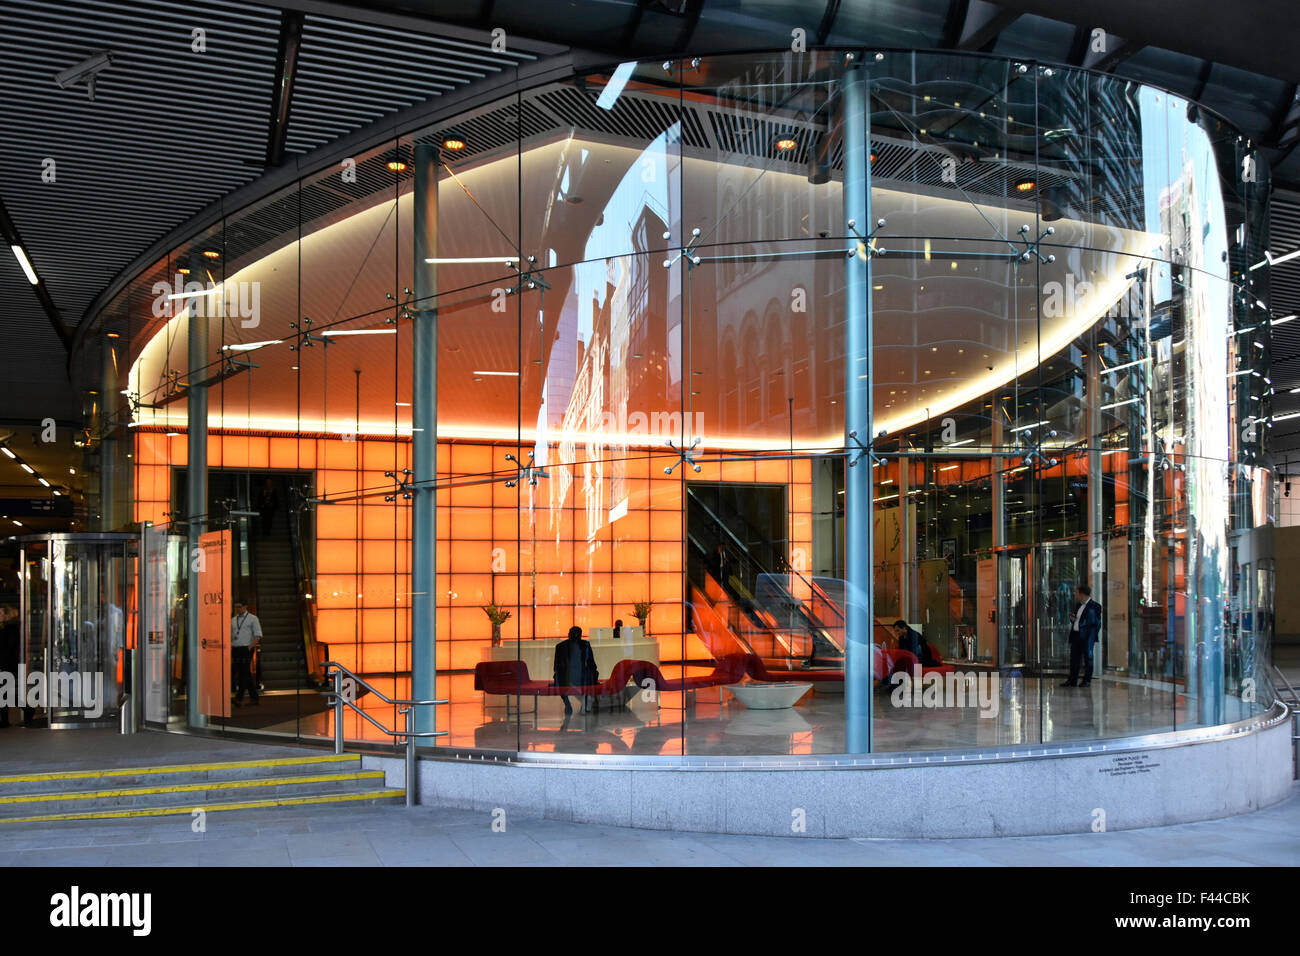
(579, 547)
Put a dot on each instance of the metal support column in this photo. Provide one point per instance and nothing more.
(196, 485)
(424, 440)
(999, 503)
(110, 404)
(858, 632)
(1096, 528)
(907, 599)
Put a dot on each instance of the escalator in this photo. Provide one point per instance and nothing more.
(276, 587)
(734, 575)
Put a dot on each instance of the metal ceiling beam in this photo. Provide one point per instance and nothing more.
(828, 20)
(983, 23)
(12, 238)
(286, 71)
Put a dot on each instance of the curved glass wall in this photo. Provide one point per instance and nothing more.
(732, 363)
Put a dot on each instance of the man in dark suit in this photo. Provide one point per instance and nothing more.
(575, 665)
(1085, 630)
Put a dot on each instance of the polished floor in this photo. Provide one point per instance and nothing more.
(712, 722)
(422, 836)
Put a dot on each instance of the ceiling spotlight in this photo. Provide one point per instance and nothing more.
(1027, 185)
(786, 144)
(455, 145)
(86, 71)
(396, 166)
(211, 254)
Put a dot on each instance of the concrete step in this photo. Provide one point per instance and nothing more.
(180, 789)
(356, 798)
(64, 780)
(190, 794)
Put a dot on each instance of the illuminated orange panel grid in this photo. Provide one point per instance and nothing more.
(579, 549)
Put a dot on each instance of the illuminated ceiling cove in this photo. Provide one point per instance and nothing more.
(620, 333)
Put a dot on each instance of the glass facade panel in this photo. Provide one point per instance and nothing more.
(891, 402)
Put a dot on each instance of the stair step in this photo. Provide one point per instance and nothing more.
(170, 794)
(222, 770)
(368, 797)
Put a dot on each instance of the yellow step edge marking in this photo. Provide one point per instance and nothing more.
(183, 810)
(193, 787)
(177, 768)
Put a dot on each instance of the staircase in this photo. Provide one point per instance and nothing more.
(283, 666)
(179, 790)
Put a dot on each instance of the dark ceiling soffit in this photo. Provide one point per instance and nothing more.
(1118, 49)
(691, 14)
(362, 13)
(411, 120)
(286, 71)
(12, 238)
(983, 24)
(1235, 34)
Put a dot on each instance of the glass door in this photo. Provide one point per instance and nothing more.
(1014, 610)
(1062, 568)
(86, 631)
(35, 611)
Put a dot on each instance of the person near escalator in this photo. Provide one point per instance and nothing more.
(245, 637)
(267, 503)
(720, 565)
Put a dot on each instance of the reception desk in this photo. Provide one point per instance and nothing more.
(539, 654)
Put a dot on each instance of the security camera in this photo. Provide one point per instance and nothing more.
(87, 70)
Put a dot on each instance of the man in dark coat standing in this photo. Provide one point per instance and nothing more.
(1085, 630)
(575, 664)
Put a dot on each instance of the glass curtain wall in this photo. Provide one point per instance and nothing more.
(810, 387)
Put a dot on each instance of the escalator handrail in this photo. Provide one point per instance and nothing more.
(312, 658)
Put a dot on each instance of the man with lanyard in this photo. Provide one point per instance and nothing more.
(245, 635)
(1085, 628)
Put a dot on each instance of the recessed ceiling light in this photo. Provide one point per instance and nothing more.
(455, 145)
(396, 166)
(1025, 186)
(785, 144)
(211, 254)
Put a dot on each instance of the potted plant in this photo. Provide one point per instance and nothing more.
(497, 616)
(641, 611)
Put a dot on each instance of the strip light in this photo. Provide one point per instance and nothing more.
(1128, 401)
(334, 333)
(1116, 368)
(465, 260)
(249, 346)
(613, 89)
(26, 263)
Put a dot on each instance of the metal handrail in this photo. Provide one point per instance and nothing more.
(406, 707)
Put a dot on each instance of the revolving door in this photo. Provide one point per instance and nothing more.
(77, 626)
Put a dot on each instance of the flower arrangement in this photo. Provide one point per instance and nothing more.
(497, 616)
(641, 611)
